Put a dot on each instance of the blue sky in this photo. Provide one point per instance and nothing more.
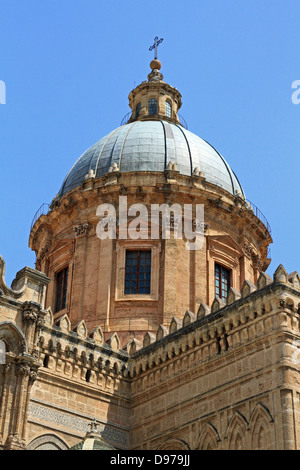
(69, 65)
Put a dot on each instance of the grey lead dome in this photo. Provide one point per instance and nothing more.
(150, 146)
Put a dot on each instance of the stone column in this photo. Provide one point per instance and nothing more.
(6, 369)
(24, 369)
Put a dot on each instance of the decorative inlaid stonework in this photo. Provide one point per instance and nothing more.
(78, 425)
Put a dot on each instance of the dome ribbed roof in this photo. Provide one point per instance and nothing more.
(150, 146)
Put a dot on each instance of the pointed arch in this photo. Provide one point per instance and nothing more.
(47, 442)
(260, 422)
(236, 432)
(209, 438)
(174, 444)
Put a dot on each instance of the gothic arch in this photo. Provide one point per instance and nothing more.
(13, 337)
(237, 432)
(209, 438)
(260, 428)
(174, 444)
(47, 442)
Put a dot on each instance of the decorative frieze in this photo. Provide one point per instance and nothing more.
(65, 418)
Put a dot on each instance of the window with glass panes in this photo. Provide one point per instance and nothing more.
(168, 109)
(138, 109)
(61, 289)
(138, 272)
(152, 106)
(222, 281)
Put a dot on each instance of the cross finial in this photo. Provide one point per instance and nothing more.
(155, 45)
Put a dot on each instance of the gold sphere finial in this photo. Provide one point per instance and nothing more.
(155, 64)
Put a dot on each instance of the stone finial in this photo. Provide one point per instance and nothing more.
(162, 331)
(149, 338)
(295, 279)
(81, 329)
(133, 346)
(247, 288)
(89, 175)
(113, 167)
(49, 317)
(189, 317)
(280, 275)
(217, 304)
(155, 64)
(233, 295)
(97, 335)
(64, 323)
(263, 280)
(203, 311)
(175, 325)
(114, 342)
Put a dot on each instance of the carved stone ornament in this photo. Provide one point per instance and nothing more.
(22, 369)
(33, 376)
(30, 315)
(252, 254)
(81, 229)
(42, 255)
(40, 322)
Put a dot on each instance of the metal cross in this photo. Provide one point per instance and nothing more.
(156, 43)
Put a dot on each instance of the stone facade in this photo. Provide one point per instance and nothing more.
(175, 368)
(226, 377)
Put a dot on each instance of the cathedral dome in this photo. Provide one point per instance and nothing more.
(150, 145)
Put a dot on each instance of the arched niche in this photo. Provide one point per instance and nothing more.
(209, 438)
(47, 442)
(13, 338)
(174, 444)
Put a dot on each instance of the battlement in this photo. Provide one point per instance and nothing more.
(223, 326)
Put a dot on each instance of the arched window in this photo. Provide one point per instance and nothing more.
(61, 289)
(168, 109)
(2, 352)
(137, 110)
(152, 106)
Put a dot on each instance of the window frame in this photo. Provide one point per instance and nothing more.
(138, 109)
(139, 271)
(61, 302)
(120, 267)
(151, 102)
(219, 289)
(169, 104)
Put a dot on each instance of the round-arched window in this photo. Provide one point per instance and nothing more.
(152, 106)
(168, 109)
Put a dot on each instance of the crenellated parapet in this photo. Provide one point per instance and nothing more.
(82, 356)
(255, 312)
